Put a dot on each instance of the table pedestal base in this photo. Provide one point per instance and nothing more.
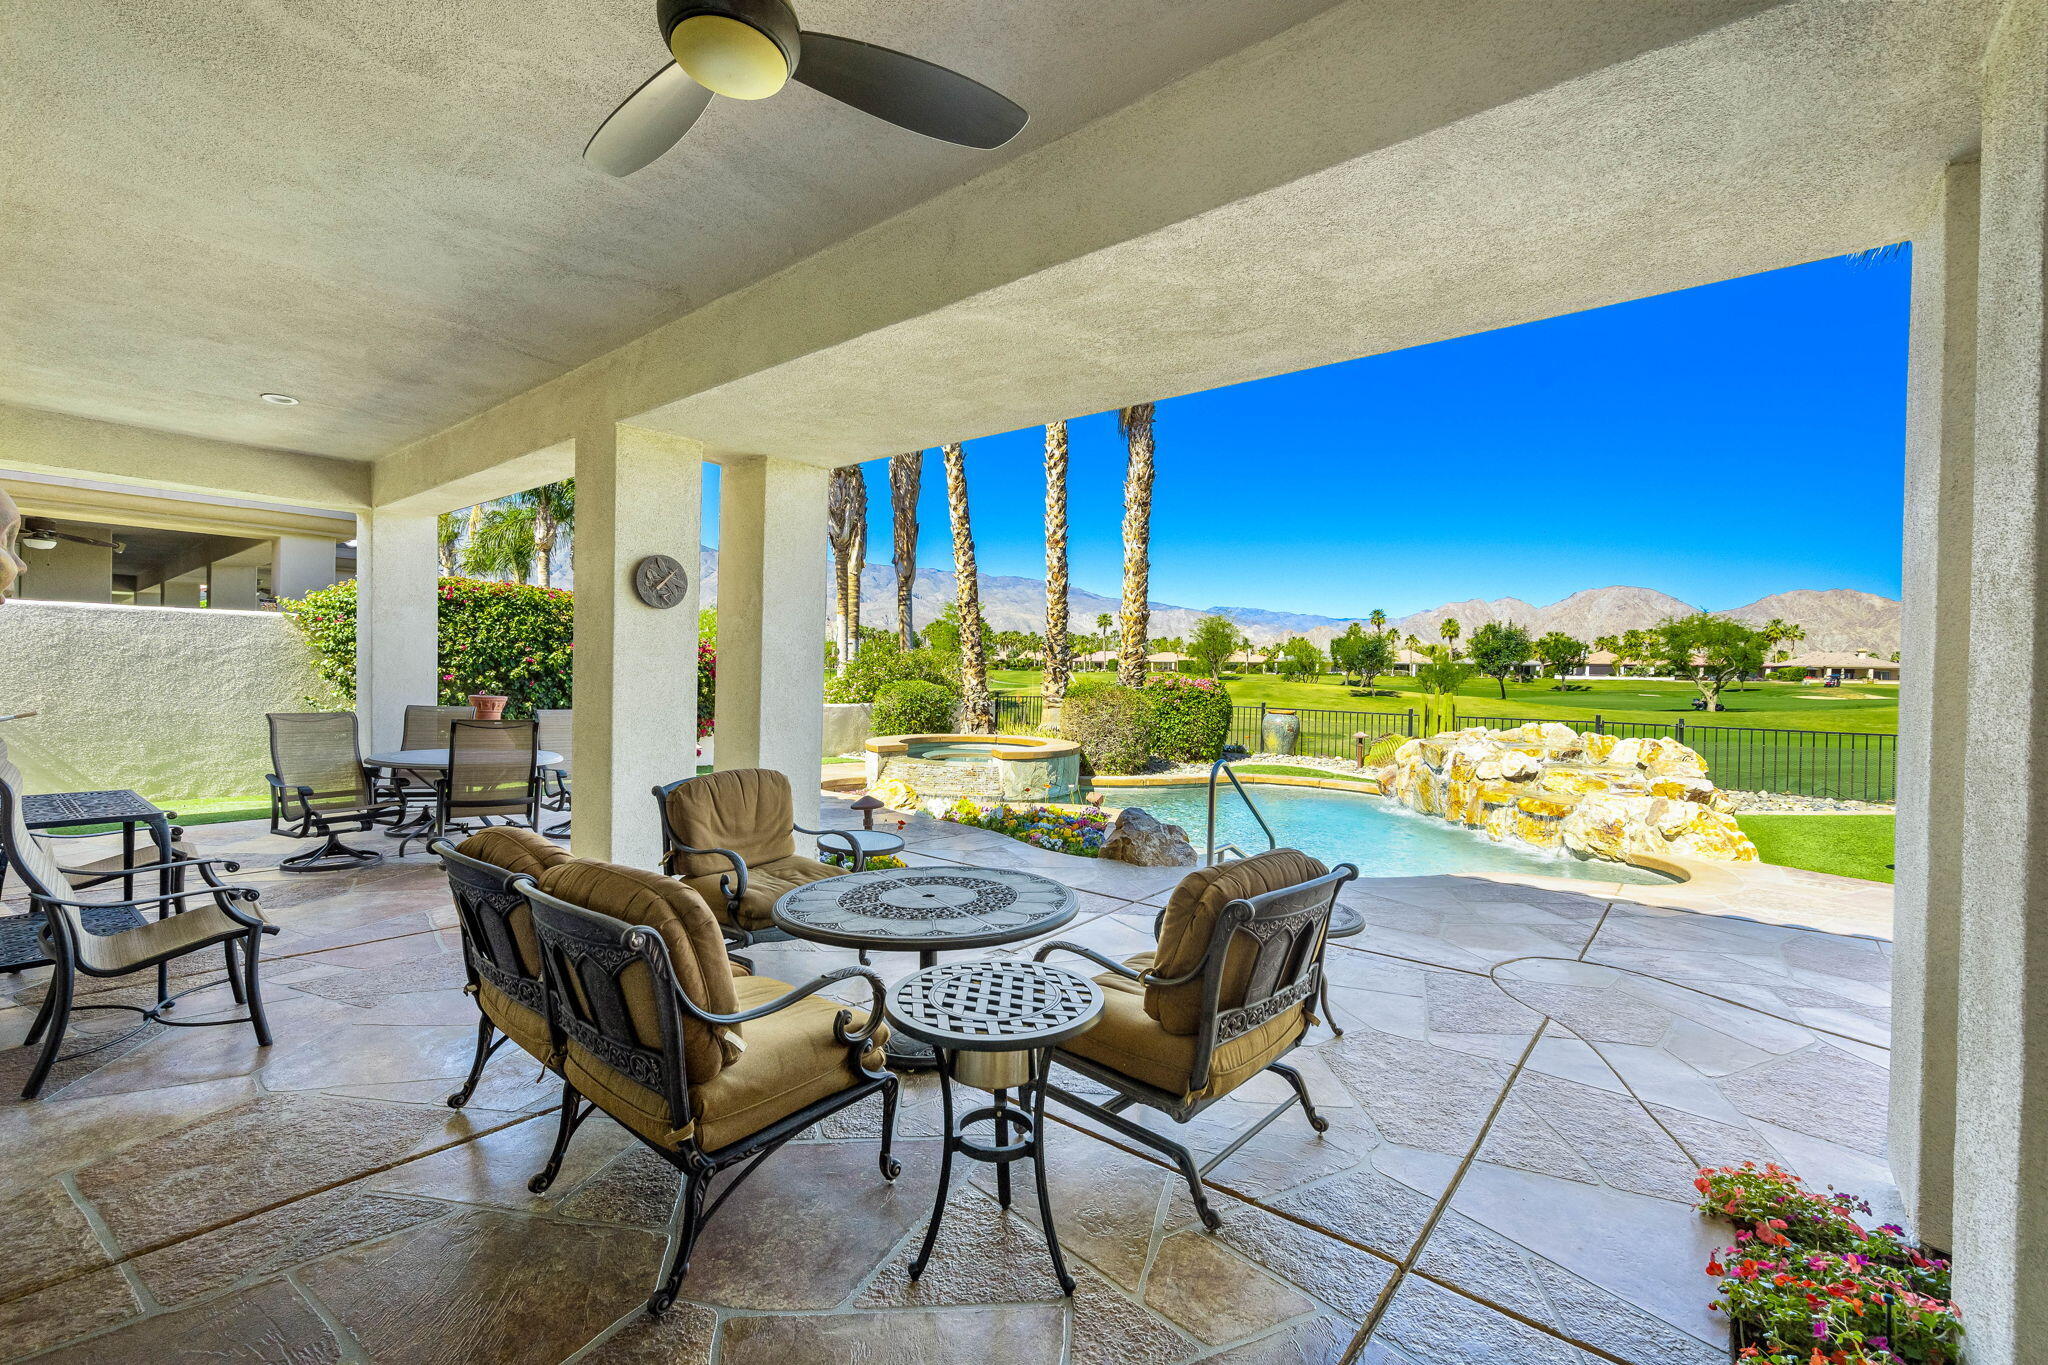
(1028, 1144)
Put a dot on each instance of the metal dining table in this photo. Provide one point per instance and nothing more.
(425, 761)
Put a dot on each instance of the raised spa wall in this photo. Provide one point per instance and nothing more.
(1022, 768)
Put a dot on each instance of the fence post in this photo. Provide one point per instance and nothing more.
(1262, 727)
(1599, 723)
(1680, 724)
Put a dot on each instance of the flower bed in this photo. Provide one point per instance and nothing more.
(1076, 832)
(1806, 1284)
(877, 862)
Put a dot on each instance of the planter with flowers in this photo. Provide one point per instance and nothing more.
(1078, 832)
(1807, 1284)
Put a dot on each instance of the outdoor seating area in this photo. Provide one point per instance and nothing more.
(1493, 1162)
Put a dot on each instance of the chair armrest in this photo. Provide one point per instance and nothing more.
(739, 867)
(1061, 945)
(223, 895)
(811, 987)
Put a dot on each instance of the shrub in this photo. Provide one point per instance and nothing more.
(505, 639)
(914, 708)
(1113, 725)
(1788, 675)
(1190, 717)
(881, 662)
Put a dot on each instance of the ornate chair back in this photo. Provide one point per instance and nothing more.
(499, 945)
(747, 810)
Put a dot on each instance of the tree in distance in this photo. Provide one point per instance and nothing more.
(1498, 649)
(1560, 655)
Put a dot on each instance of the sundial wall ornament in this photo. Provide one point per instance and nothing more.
(660, 581)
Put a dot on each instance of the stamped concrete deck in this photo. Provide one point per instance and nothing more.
(1527, 1078)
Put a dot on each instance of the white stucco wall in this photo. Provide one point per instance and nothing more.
(167, 701)
(846, 727)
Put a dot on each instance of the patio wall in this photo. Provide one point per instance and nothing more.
(168, 701)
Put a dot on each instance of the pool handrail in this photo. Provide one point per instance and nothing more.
(1222, 765)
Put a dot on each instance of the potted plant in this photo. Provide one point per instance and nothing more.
(488, 707)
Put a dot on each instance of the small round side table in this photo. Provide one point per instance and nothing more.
(993, 1025)
(858, 845)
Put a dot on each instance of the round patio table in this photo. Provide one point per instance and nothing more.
(428, 761)
(925, 910)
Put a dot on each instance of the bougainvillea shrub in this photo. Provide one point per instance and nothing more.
(1190, 717)
(504, 639)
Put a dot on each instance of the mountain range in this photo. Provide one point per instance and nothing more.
(1835, 619)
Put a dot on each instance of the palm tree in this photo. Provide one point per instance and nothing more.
(977, 709)
(447, 534)
(1057, 662)
(501, 542)
(1450, 630)
(1378, 619)
(1778, 631)
(1103, 621)
(554, 512)
(1135, 422)
(905, 472)
(846, 527)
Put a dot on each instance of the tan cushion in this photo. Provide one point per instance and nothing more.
(696, 952)
(791, 1060)
(521, 853)
(516, 1022)
(747, 810)
(1190, 919)
(1128, 1040)
(765, 885)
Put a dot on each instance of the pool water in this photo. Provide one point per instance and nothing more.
(952, 751)
(1383, 839)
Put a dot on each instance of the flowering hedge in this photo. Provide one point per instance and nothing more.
(1190, 717)
(1807, 1284)
(505, 639)
(1078, 832)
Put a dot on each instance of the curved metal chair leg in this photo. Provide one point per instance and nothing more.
(59, 1015)
(1315, 1120)
(891, 1167)
(931, 1232)
(682, 1241)
(1043, 1067)
(253, 989)
(1189, 1172)
(484, 1029)
(43, 1014)
(234, 974)
(566, 1129)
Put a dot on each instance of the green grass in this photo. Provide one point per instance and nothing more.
(1789, 706)
(1288, 770)
(1846, 845)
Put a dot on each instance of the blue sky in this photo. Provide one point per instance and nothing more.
(1718, 444)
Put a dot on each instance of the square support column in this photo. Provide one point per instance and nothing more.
(301, 564)
(397, 622)
(232, 586)
(772, 619)
(2001, 1204)
(638, 493)
(1933, 710)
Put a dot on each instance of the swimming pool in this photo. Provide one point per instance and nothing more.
(1383, 839)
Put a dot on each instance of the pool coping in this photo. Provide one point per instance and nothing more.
(1027, 748)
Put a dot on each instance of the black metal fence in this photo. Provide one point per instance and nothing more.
(1833, 764)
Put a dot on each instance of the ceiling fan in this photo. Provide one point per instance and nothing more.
(748, 49)
(42, 535)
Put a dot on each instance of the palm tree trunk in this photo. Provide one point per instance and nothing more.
(1136, 424)
(856, 560)
(977, 709)
(905, 472)
(1056, 647)
(842, 497)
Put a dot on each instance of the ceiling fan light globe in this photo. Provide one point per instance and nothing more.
(36, 540)
(729, 56)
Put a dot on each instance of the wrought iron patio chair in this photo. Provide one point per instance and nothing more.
(1224, 995)
(500, 952)
(426, 727)
(493, 773)
(557, 735)
(229, 918)
(709, 1066)
(729, 837)
(319, 788)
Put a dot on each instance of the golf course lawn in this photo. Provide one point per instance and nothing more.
(1846, 845)
(1788, 706)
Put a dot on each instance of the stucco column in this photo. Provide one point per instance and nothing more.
(397, 622)
(1934, 683)
(638, 493)
(232, 586)
(301, 564)
(771, 619)
(2001, 1203)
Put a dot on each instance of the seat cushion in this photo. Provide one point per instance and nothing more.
(765, 885)
(515, 1021)
(521, 853)
(791, 1060)
(1130, 1041)
(1190, 920)
(747, 810)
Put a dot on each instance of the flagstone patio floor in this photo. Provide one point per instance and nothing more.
(1529, 1074)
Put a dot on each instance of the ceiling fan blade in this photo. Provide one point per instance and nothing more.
(652, 120)
(908, 91)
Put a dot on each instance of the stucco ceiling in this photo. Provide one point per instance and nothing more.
(380, 207)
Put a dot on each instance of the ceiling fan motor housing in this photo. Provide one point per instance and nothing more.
(772, 17)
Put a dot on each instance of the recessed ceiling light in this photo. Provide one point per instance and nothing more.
(283, 400)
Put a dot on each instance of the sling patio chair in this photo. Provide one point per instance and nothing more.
(706, 1064)
(557, 735)
(1223, 996)
(227, 918)
(493, 773)
(412, 791)
(729, 836)
(500, 952)
(319, 788)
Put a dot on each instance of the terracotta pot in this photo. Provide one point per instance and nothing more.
(488, 707)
